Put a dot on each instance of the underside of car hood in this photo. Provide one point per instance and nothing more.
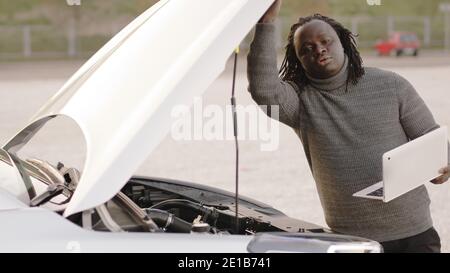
(122, 97)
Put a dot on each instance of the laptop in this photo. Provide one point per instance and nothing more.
(410, 166)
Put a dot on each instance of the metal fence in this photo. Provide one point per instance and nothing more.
(47, 41)
(69, 41)
(430, 30)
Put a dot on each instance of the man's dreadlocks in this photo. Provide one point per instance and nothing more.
(291, 68)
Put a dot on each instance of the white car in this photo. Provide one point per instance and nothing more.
(121, 100)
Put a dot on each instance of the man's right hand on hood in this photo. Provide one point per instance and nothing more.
(272, 13)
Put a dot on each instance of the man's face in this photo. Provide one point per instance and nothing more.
(319, 49)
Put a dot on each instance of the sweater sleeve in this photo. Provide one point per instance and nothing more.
(264, 84)
(415, 117)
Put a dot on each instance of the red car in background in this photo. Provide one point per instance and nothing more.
(399, 43)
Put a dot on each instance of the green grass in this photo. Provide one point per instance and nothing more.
(92, 43)
(11, 41)
(48, 40)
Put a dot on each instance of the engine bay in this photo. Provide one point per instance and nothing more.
(148, 204)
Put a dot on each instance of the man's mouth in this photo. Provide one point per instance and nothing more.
(324, 60)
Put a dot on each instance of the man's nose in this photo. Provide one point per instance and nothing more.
(320, 49)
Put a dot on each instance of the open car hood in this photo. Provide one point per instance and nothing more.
(122, 97)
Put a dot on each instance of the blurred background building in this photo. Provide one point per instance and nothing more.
(52, 29)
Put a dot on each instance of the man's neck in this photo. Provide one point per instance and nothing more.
(333, 82)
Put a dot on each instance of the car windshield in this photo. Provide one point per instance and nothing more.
(408, 38)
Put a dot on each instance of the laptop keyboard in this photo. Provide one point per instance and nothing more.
(378, 193)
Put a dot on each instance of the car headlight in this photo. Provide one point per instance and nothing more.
(311, 242)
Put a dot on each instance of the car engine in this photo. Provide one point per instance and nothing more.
(161, 205)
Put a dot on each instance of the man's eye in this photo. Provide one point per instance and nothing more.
(308, 48)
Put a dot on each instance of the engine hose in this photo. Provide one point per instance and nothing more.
(183, 203)
(168, 221)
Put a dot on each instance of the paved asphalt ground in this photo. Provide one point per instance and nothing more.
(280, 178)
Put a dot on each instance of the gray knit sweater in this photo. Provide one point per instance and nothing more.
(344, 135)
